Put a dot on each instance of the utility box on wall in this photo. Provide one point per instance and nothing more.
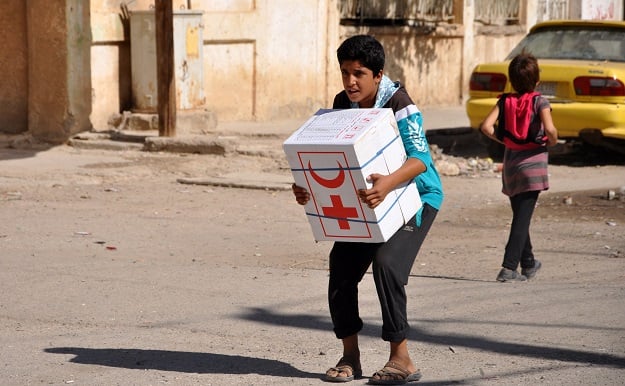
(188, 52)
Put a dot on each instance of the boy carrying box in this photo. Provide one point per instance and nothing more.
(332, 155)
(361, 59)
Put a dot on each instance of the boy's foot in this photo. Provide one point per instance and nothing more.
(509, 275)
(344, 371)
(394, 374)
(531, 272)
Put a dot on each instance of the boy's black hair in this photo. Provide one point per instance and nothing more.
(523, 72)
(365, 49)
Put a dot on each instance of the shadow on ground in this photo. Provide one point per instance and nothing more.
(180, 361)
(262, 315)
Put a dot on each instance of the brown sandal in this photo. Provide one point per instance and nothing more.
(394, 374)
(344, 366)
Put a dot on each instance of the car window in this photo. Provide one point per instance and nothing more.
(577, 43)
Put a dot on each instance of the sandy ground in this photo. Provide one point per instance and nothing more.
(114, 273)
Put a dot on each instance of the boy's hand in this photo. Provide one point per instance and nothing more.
(382, 185)
(301, 194)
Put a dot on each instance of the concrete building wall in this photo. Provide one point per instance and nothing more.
(254, 67)
(428, 65)
(110, 61)
(495, 46)
(69, 65)
(265, 59)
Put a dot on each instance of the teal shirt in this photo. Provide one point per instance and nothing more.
(410, 124)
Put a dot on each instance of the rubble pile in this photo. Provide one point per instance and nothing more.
(448, 165)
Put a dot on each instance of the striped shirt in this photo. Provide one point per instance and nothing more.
(525, 171)
(525, 168)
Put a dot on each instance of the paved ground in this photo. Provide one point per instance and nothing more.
(112, 272)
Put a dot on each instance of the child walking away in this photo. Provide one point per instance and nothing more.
(361, 60)
(525, 127)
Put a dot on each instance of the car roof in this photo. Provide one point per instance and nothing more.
(578, 23)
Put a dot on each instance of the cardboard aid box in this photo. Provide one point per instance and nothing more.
(331, 155)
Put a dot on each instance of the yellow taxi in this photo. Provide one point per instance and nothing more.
(582, 73)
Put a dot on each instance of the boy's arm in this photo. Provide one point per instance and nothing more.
(384, 184)
(409, 122)
(301, 194)
(550, 129)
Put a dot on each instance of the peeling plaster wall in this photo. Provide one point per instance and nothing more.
(276, 59)
(265, 59)
(110, 61)
(68, 63)
(262, 59)
(427, 65)
(493, 48)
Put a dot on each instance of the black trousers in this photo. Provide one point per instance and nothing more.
(391, 265)
(519, 246)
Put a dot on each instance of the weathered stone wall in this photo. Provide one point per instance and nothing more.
(59, 86)
(14, 65)
(265, 59)
(492, 45)
(274, 59)
(46, 89)
(428, 65)
(262, 60)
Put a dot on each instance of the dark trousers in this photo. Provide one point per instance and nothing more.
(391, 264)
(519, 246)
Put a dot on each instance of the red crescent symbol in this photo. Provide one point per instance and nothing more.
(333, 183)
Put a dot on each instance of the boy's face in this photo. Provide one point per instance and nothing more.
(360, 83)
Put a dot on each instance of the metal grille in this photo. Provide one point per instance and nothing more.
(398, 12)
(497, 12)
(552, 10)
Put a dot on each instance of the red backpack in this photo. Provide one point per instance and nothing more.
(523, 129)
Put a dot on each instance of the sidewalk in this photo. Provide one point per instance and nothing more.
(246, 132)
(259, 139)
(434, 118)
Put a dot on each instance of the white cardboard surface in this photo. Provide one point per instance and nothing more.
(331, 155)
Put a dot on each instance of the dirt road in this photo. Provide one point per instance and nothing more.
(112, 272)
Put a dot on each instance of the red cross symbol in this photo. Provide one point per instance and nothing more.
(340, 212)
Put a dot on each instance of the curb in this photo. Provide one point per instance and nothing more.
(260, 181)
